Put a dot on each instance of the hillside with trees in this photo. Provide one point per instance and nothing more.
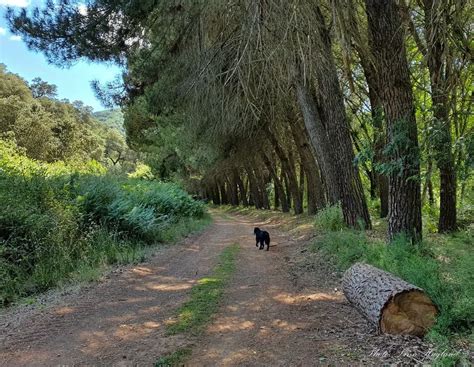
(111, 118)
(356, 113)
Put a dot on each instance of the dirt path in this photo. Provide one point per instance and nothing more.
(281, 308)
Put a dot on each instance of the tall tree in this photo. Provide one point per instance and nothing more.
(40, 88)
(387, 44)
(436, 33)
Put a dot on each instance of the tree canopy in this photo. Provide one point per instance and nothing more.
(301, 103)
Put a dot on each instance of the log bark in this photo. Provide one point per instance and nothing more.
(390, 303)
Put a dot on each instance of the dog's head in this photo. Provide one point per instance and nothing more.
(256, 230)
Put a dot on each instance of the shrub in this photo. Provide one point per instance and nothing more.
(330, 219)
(57, 218)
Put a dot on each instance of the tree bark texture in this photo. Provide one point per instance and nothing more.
(290, 172)
(279, 189)
(386, 38)
(435, 14)
(380, 138)
(315, 189)
(337, 147)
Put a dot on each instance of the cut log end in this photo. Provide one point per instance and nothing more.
(410, 312)
(390, 303)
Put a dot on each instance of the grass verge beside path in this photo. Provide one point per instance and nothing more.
(174, 359)
(206, 295)
(198, 311)
(104, 251)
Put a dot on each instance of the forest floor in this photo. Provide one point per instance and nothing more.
(283, 307)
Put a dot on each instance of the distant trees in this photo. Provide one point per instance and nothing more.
(39, 88)
(50, 130)
(290, 104)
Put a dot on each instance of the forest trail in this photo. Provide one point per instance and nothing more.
(279, 309)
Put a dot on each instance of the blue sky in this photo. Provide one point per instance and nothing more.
(73, 83)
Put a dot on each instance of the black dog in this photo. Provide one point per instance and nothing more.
(263, 237)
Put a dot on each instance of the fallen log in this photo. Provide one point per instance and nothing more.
(393, 305)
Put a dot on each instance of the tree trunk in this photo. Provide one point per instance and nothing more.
(329, 134)
(314, 186)
(317, 137)
(233, 190)
(333, 115)
(298, 204)
(287, 189)
(255, 195)
(216, 197)
(435, 19)
(279, 190)
(380, 138)
(386, 39)
(261, 186)
(241, 187)
(302, 182)
(289, 170)
(390, 303)
(276, 197)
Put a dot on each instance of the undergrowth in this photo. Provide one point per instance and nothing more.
(206, 295)
(61, 222)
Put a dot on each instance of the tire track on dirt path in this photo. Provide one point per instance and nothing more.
(276, 312)
(280, 309)
(122, 320)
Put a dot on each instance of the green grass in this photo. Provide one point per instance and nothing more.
(174, 359)
(206, 295)
(101, 250)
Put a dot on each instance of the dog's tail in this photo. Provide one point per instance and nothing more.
(267, 241)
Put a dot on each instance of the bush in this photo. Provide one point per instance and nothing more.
(57, 218)
(330, 219)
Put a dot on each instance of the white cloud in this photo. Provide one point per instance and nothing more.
(15, 38)
(3, 31)
(18, 3)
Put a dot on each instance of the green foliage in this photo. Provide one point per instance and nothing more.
(206, 295)
(174, 359)
(142, 171)
(111, 118)
(401, 151)
(330, 219)
(50, 130)
(57, 218)
(443, 269)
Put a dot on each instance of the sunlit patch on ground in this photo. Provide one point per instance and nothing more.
(141, 270)
(170, 287)
(65, 310)
(229, 324)
(287, 326)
